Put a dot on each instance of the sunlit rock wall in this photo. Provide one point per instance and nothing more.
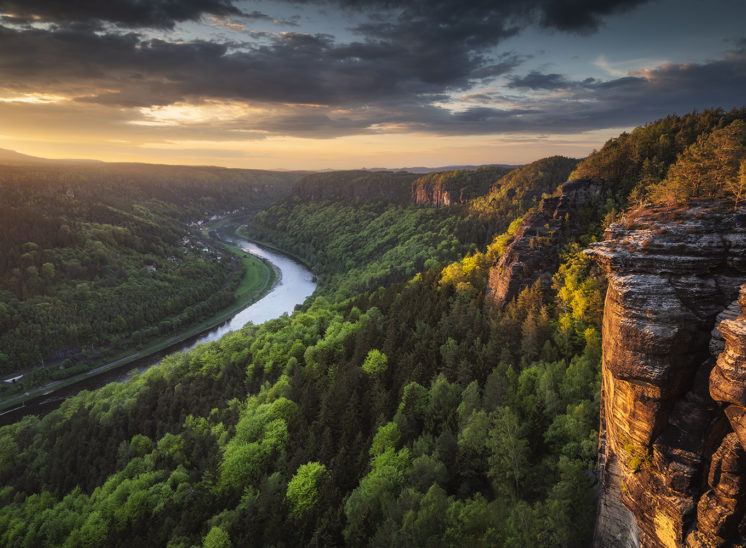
(667, 450)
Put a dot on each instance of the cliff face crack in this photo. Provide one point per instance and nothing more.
(671, 275)
(704, 310)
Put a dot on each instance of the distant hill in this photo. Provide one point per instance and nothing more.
(422, 169)
(8, 156)
(12, 157)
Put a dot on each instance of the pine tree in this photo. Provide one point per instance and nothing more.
(708, 168)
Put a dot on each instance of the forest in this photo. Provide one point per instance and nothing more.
(398, 406)
(95, 258)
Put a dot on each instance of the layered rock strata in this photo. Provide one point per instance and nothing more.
(668, 451)
(439, 195)
(533, 251)
(356, 185)
(446, 188)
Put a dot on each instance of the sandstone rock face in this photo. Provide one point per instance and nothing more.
(437, 195)
(445, 188)
(532, 252)
(668, 412)
(356, 185)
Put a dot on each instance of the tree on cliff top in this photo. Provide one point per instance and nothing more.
(641, 158)
(738, 187)
(709, 168)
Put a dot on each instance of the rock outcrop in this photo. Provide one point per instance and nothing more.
(360, 185)
(445, 188)
(533, 252)
(426, 193)
(669, 447)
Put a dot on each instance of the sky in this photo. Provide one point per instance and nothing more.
(340, 84)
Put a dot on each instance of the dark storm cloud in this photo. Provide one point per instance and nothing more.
(289, 67)
(420, 51)
(398, 73)
(416, 50)
(591, 104)
(128, 13)
(583, 106)
(538, 80)
(475, 21)
(446, 41)
(360, 86)
(479, 16)
(581, 15)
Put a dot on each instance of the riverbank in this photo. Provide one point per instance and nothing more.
(252, 288)
(243, 232)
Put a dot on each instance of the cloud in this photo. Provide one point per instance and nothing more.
(536, 80)
(582, 106)
(581, 15)
(418, 66)
(415, 51)
(567, 106)
(129, 70)
(478, 19)
(311, 85)
(479, 15)
(126, 13)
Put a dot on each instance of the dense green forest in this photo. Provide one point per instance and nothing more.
(97, 257)
(639, 161)
(523, 187)
(363, 243)
(399, 408)
(358, 246)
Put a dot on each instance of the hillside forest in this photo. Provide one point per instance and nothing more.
(97, 258)
(399, 406)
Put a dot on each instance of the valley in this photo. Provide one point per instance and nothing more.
(483, 355)
(363, 273)
(258, 299)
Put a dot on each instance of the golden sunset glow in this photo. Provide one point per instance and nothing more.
(377, 150)
(34, 98)
(184, 114)
(296, 87)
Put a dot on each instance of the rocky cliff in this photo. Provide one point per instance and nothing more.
(673, 402)
(447, 188)
(533, 252)
(362, 185)
(426, 192)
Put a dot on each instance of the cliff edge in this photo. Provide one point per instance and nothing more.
(673, 395)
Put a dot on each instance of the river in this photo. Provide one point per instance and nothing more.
(294, 285)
